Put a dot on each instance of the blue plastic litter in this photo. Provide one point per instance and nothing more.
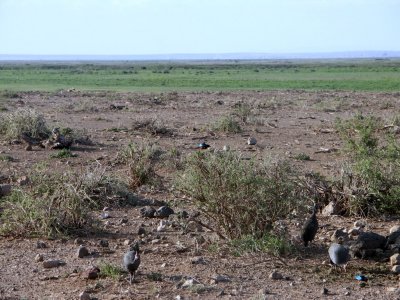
(360, 277)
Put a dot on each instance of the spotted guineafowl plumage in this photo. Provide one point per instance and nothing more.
(310, 228)
(339, 255)
(132, 260)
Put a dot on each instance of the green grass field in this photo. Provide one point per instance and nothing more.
(357, 75)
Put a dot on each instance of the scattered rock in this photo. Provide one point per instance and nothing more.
(275, 275)
(331, 209)
(24, 180)
(104, 215)
(91, 273)
(162, 226)
(226, 148)
(39, 257)
(393, 238)
(396, 269)
(84, 296)
(147, 212)
(28, 148)
(123, 221)
(354, 231)
(251, 141)
(78, 241)
(360, 223)
(103, 243)
(366, 245)
(324, 291)
(5, 189)
(141, 230)
(127, 242)
(395, 228)
(48, 264)
(164, 212)
(82, 252)
(395, 259)
(189, 282)
(41, 245)
(198, 260)
(217, 278)
(338, 233)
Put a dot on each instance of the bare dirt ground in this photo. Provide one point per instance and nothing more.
(287, 123)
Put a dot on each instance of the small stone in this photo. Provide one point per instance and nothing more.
(84, 296)
(190, 282)
(123, 221)
(393, 290)
(106, 208)
(141, 230)
(82, 252)
(324, 291)
(331, 209)
(41, 245)
(104, 215)
(103, 243)
(275, 275)
(347, 293)
(354, 231)
(339, 234)
(198, 260)
(251, 141)
(48, 264)
(226, 148)
(92, 273)
(147, 212)
(217, 278)
(78, 241)
(39, 257)
(155, 241)
(395, 259)
(395, 228)
(5, 189)
(396, 269)
(127, 242)
(164, 212)
(360, 223)
(24, 180)
(162, 226)
(28, 148)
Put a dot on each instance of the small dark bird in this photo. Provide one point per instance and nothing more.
(310, 228)
(339, 254)
(132, 260)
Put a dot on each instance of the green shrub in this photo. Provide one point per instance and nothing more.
(302, 156)
(23, 120)
(227, 124)
(141, 159)
(371, 178)
(63, 153)
(241, 197)
(110, 270)
(58, 203)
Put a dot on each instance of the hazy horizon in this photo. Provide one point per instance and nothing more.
(170, 27)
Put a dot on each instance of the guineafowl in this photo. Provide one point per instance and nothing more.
(310, 227)
(339, 254)
(132, 260)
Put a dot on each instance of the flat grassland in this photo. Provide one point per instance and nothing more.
(357, 75)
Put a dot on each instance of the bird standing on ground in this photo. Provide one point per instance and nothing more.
(339, 254)
(310, 228)
(132, 260)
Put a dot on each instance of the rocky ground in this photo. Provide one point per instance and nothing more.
(191, 264)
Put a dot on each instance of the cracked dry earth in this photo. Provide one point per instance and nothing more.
(287, 123)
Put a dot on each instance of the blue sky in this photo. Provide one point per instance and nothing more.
(129, 27)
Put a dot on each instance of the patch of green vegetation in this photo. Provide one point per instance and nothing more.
(154, 276)
(58, 204)
(4, 157)
(360, 75)
(111, 271)
(372, 173)
(63, 153)
(302, 156)
(268, 243)
(141, 158)
(227, 124)
(27, 121)
(241, 197)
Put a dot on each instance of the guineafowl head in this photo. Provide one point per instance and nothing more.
(134, 247)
